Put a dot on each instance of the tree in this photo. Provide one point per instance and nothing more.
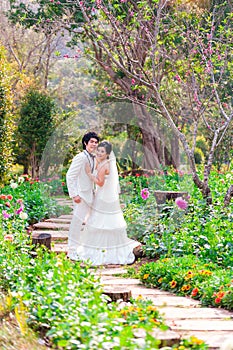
(172, 57)
(6, 118)
(32, 50)
(34, 128)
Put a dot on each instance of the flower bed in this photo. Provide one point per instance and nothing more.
(188, 276)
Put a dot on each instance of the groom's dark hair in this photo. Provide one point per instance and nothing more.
(89, 135)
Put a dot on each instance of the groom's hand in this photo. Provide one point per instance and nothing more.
(77, 199)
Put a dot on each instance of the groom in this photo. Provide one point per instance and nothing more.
(80, 189)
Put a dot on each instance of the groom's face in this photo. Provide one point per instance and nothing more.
(91, 145)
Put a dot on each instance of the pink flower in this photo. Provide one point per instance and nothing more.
(5, 214)
(145, 193)
(178, 78)
(181, 203)
(9, 238)
(108, 94)
(18, 211)
(133, 81)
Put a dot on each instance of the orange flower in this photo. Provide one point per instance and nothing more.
(173, 284)
(160, 280)
(220, 294)
(146, 276)
(3, 196)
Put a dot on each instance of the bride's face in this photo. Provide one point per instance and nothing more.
(101, 154)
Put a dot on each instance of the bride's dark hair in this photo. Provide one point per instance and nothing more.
(107, 145)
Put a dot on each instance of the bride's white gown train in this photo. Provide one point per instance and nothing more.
(103, 239)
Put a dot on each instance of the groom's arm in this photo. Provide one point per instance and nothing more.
(72, 177)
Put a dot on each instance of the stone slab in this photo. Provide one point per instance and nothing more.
(170, 300)
(110, 271)
(201, 325)
(51, 226)
(194, 313)
(59, 220)
(214, 339)
(55, 234)
(168, 337)
(59, 248)
(121, 281)
(66, 216)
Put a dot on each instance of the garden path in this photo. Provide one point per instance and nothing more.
(183, 315)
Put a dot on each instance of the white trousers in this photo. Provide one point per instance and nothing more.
(80, 215)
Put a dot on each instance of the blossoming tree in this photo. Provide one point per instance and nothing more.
(171, 57)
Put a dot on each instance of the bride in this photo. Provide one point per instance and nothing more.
(103, 239)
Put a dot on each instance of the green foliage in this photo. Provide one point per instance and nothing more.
(199, 156)
(168, 230)
(188, 276)
(34, 127)
(65, 301)
(6, 118)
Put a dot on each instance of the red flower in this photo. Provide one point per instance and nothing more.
(3, 196)
(10, 197)
(137, 175)
(63, 183)
(218, 300)
(194, 292)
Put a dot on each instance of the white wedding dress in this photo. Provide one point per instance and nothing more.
(103, 239)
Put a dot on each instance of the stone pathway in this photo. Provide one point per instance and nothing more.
(183, 315)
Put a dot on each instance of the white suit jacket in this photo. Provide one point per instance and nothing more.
(78, 182)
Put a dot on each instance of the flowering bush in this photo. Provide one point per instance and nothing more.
(35, 198)
(189, 276)
(13, 215)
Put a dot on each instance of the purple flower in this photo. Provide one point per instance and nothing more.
(145, 193)
(5, 214)
(181, 203)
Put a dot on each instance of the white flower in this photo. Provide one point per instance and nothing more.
(20, 179)
(14, 185)
(23, 215)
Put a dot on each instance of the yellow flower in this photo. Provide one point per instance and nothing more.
(151, 308)
(139, 297)
(196, 340)
(173, 284)
(153, 320)
(146, 276)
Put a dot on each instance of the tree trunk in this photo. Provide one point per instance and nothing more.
(150, 137)
(228, 196)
